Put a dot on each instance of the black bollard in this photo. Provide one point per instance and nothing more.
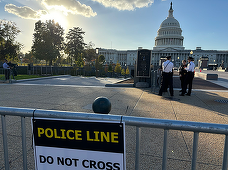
(101, 105)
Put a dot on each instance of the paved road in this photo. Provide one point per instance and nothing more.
(70, 95)
(98, 82)
(71, 81)
(222, 77)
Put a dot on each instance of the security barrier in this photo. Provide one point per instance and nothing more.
(2, 75)
(138, 122)
(155, 80)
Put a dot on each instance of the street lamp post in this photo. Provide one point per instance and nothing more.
(125, 70)
(178, 61)
(96, 61)
(110, 62)
(191, 53)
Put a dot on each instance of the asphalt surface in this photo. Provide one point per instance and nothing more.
(78, 93)
(70, 81)
(199, 83)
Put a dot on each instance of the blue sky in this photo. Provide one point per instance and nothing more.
(124, 24)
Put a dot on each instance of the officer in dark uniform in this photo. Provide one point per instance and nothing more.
(183, 76)
(13, 69)
(190, 74)
(189, 78)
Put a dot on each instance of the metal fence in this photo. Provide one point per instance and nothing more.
(155, 80)
(2, 75)
(138, 122)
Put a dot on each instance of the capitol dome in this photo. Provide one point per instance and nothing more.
(169, 34)
(170, 22)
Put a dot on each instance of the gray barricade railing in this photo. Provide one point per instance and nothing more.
(155, 80)
(2, 73)
(138, 122)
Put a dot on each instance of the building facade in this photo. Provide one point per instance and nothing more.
(168, 42)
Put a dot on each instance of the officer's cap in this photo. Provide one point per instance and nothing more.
(191, 58)
(168, 57)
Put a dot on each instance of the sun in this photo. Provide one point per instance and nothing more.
(57, 17)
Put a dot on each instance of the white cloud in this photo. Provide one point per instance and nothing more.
(125, 4)
(24, 12)
(69, 6)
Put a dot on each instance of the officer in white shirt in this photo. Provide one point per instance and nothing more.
(167, 76)
(190, 75)
(6, 68)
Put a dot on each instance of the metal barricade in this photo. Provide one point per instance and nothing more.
(138, 122)
(2, 75)
(155, 80)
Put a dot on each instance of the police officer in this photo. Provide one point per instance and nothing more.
(190, 74)
(13, 69)
(6, 68)
(183, 76)
(167, 76)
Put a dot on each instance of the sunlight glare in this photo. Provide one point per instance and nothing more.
(57, 17)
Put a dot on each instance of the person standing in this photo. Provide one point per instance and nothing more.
(190, 74)
(183, 76)
(6, 68)
(12, 69)
(167, 76)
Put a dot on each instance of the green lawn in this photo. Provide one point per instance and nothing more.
(20, 77)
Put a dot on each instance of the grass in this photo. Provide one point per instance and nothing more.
(20, 77)
(44, 65)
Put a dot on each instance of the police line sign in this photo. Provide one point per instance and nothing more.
(84, 145)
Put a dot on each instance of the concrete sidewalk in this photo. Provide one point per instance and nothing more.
(222, 77)
(202, 106)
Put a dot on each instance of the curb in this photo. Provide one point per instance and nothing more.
(119, 85)
(123, 80)
(4, 82)
(33, 79)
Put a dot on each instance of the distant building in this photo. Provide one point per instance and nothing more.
(123, 57)
(168, 42)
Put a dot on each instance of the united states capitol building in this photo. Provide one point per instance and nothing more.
(168, 42)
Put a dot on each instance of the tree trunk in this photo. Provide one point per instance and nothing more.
(50, 62)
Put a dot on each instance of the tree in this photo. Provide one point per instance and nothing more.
(29, 57)
(110, 68)
(127, 71)
(106, 68)
(8, 30)
(20, 55)
(123, 72)
(88, 68)
(47, 41)
(118, 68)
(75, 43)
(61, 60)
(8, 47)
(90, 52)
(101, 59)
(80, 62)
(9, 50)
